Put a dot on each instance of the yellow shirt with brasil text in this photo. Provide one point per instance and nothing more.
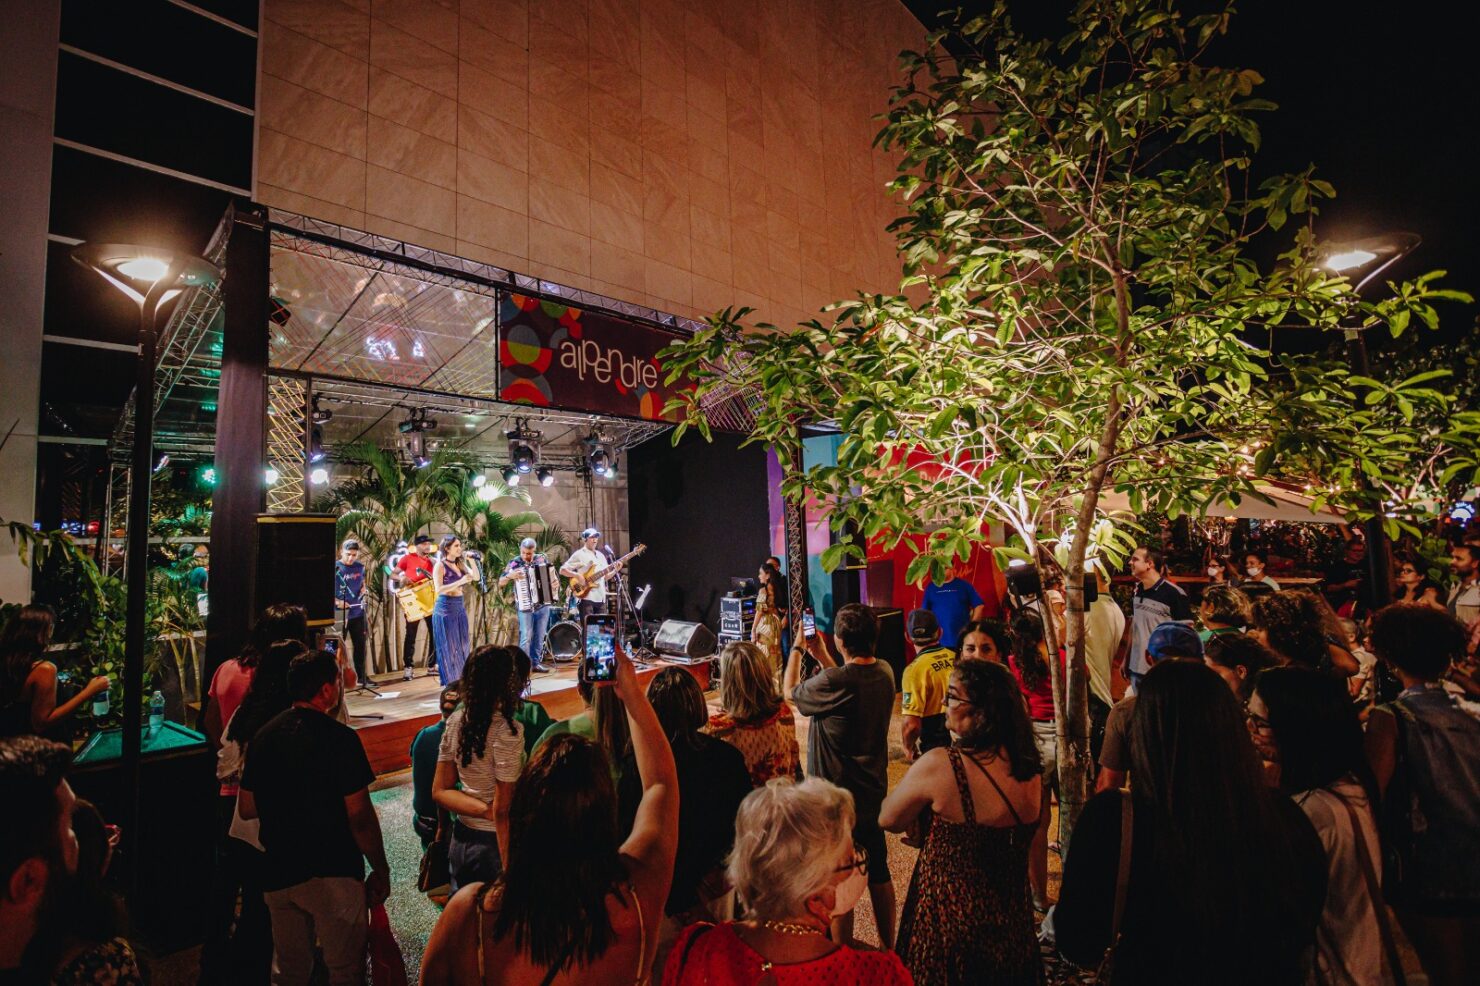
(923, 685)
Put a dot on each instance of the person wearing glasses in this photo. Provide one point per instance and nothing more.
(1415, 586)
(795, 867)
(967, 916)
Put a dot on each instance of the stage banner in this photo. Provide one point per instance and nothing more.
(553, 355)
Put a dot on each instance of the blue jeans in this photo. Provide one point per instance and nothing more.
(472, 856)
(532, 628)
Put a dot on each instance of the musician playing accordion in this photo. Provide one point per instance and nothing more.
(536, 592)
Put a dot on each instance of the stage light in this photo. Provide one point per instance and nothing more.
(601, 455)
(421, 461)
(546, 476)
(487, 493)
(271, 476)
(208, 475)
(316, 451)
(511, 475)
(524, 445)
(320, 415)
(417, 422)
(319, 476)
(164, 460)
(479, 479)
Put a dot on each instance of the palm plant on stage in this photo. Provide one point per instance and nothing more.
(390, 502)
(476, 514)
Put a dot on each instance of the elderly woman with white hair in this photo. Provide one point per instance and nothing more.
(794, 867)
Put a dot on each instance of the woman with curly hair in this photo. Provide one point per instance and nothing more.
(28, 681)
(1028, 661)
(966, 917)
(478, 762)
(1293, 626)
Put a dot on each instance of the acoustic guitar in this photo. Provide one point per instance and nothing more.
(582, 583)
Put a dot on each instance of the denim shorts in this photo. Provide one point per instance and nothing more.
(473, 857)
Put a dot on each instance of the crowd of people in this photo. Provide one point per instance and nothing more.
(1278, 775)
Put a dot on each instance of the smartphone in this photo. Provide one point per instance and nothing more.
(331, 644)
(809, 623)
(601, 646)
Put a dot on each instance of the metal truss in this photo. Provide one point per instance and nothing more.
(286, 399)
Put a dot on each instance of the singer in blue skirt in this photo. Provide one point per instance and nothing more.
(451, 572)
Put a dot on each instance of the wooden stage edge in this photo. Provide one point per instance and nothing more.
(406, 707)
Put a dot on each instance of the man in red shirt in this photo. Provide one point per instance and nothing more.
(416, 566)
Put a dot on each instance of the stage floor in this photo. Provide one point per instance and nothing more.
(389, 722)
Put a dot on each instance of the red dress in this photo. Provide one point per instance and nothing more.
(719, 958)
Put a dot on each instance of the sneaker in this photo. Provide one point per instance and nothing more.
(542, 669)
(407, 676)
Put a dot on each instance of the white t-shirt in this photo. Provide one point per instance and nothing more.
(582, 559)
(1348, 944)
(503, 757)
(1104, 625)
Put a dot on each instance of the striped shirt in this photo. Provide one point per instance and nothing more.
(503, 756)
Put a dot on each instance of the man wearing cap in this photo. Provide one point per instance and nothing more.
(349, 599)
(583, 560)
(416, 566)
(922, 709)
(1168, 641)
(534, 621)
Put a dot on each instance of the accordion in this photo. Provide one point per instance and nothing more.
(535, 585)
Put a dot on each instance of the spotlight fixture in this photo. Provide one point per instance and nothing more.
(416, 444)
(316, 451)
(511, 475)
(545, 475)
(271, 476)
(319, 476)
(479, 480)
(601, 455)
(417, 421)
(524, 447)
(321, 415)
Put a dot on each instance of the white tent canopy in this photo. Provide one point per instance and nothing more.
(1284, 505)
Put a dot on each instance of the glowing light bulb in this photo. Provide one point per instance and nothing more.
(1348, 259)
(148, 269)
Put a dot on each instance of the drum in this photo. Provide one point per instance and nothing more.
(563, 641)
(417, 600)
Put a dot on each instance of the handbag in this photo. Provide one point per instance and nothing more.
(435, 871)
(387, 967)
(1105, 972)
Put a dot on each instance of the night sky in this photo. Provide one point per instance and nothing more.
(1382, 98)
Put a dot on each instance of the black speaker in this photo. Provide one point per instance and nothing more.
(684, 641)
(890, 648)
(295, 563)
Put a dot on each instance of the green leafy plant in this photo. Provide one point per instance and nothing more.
(1079, 312)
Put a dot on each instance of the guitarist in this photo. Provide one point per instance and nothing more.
(413, 567)
(586, 558)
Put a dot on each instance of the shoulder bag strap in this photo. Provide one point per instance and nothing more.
(1374, 890)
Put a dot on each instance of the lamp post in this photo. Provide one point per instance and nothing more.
(151, 277)
(1368, 258)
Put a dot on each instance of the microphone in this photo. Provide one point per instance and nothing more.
(606, 549)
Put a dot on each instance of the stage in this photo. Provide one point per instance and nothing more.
(405, 707)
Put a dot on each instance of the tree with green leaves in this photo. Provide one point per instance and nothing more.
(1080, 311)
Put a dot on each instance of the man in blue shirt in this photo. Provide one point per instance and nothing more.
(954, 603)
(349, 598)
(424, 767)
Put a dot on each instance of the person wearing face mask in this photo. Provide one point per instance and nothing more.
(795, 868)
(1222, 571)
(1255, 563)
(967, 917)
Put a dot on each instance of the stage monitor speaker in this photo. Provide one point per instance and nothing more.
(890, 648)
(684, 641)
(295, 564)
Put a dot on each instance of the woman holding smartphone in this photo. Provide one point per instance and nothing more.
(587, 916)
(451, 571)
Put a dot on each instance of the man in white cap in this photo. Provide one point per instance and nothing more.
(534, 609)
(587, 559)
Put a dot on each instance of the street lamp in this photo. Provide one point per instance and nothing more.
(151, 277)
(1362, 261)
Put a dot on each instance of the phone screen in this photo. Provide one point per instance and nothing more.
(809, 624)
(601, 643)
(331, 644)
